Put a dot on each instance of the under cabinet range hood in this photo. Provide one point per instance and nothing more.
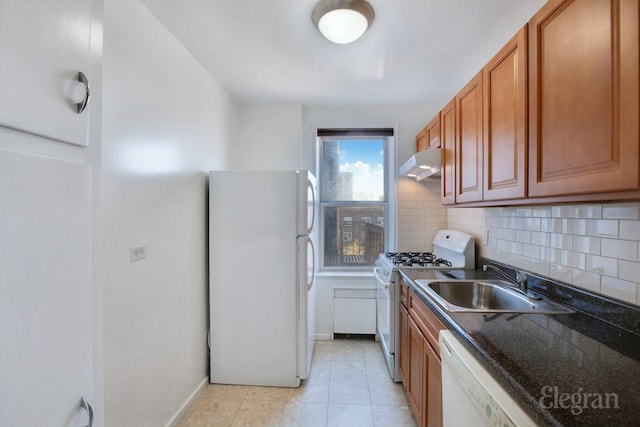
(424, 164)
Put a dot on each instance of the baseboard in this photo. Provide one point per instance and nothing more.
(183, 409)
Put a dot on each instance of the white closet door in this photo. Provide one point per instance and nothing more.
(46, 361)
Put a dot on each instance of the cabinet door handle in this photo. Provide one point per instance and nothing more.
(84, 404)
(82, 78)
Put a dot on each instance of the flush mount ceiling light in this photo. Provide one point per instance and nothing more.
(342, 21)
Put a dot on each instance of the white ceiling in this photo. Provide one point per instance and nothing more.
(416, 51)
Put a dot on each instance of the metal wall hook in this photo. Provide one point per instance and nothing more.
(82, 78)
(84, 404)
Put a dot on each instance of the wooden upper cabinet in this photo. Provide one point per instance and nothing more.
(421, 140)
(583, 97)
(448, 151)
(429, 136)
(469, 142)
(433, 132)
(505, 121)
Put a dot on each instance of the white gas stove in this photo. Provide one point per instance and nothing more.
(451, 250)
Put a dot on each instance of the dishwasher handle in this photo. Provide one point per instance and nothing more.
(445, 347)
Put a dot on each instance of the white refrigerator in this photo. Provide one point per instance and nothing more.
(261, 274)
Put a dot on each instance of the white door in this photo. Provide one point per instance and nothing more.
(44, 45)
(46, 362)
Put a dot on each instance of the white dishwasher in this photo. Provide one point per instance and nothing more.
(470, 395)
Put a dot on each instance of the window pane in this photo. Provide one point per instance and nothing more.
(350, 237)
(352, 170)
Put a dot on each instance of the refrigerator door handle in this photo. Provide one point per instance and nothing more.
(313, 205)
(313, 265)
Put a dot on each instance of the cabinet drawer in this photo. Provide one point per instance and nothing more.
(428, 323)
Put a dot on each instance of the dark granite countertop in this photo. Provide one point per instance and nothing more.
(536, 357)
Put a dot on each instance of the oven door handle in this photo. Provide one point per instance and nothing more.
(381, 280)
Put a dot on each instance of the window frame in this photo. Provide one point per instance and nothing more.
(389, 146)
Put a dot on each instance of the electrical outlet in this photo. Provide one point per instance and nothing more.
(137, 253)
(485, 237)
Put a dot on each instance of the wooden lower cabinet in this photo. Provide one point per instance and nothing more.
(419, 361)
(403, 343)
(433, 414)
(416, 372)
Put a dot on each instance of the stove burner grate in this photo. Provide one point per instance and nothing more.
(417, 259)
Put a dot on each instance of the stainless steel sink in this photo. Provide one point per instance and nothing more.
(486, 296)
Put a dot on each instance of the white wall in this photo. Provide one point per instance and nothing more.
(592, 246)
(266, 137)
(166, 123)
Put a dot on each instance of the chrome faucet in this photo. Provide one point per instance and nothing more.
(520, 280)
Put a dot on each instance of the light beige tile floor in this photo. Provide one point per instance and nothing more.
(349, 385)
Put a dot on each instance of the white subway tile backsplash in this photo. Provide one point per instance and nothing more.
(551, 225)
(573, 259)
(602, 265)
(620, 289)
(551, 255)
(560, 272)
(502, 245)
(420, 215)
(532, 224)
(516, 248)
(587, 245)
(540, 267)
(516, 223)
(586, 280)
(630, 230)
(523, 236)
(531, 251)
(509, 233)
(561, 241)
(540, 239)
(589, 211)
(621, 211)
(562, 212)
(493, 221)
(623, 249)
(628, 271)
(542, 211)
(602, 228)
(574, 226)
(496, 233)
(508, 211)
(593, 246)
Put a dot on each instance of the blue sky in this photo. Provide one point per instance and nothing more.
(365, 162)
(352, 150)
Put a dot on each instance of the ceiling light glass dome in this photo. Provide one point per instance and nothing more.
(342, 21)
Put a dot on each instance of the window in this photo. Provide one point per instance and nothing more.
(353, 186)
